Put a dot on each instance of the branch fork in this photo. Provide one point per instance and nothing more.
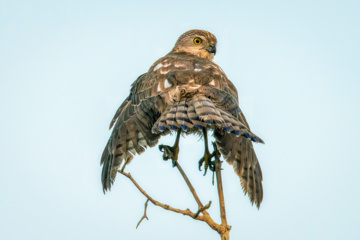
(201, 214)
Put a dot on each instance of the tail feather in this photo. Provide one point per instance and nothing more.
(171, 117)
(229, 123)
(207, 111)
(182, 116)
(162, 120)
(200, 111)
(194, 118)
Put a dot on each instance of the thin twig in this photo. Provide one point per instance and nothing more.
(224, 234)
(204, 218)
(165, 206)
(207, 206)
(220, 191)
(192, 189)
(144, 216)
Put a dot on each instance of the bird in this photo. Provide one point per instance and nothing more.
(185, 92)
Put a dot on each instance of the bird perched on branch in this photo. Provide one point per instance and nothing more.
(186, 92)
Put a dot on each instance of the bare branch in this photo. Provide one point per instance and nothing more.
(207, 206)
(225, 234)
(186, 212)
(223, 229)
(220, 191)
(192, 189)
(204, 218)
(143, 217)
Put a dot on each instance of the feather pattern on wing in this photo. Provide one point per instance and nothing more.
(131, 135)
(239, 152)
(186, 90)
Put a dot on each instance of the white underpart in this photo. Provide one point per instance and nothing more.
(159, 88)
(168, 84)
(212, 83)
(158, 66)
(198, 69)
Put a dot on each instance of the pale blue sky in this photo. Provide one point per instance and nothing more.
(65, 67)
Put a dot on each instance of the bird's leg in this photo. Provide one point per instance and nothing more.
(208, 156)
(171, 152)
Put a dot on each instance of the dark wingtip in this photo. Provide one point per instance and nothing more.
(106, 187)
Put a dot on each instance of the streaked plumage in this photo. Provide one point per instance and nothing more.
(184, 89)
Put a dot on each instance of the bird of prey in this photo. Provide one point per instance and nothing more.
(185, 92)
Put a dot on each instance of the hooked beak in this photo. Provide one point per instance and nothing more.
(212, 49)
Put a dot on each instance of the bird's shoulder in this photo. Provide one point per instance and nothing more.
(181, 68)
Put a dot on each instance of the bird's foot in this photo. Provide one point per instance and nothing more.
(170, 153)
(207, 159)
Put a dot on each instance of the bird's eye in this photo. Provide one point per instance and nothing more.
(197, 40)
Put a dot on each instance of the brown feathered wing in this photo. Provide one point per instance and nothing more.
(190, 92)
(130, 136)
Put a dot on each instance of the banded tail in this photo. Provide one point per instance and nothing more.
(201, 112)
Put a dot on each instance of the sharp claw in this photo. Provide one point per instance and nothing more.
(201, 163)
(169, 153)
(205, 171)
(207, 158)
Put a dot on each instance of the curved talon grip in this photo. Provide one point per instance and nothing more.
(205, 171)
(201, 163)
(161, 147)
(167, 152)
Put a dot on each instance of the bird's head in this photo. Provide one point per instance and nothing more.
(197, 42)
